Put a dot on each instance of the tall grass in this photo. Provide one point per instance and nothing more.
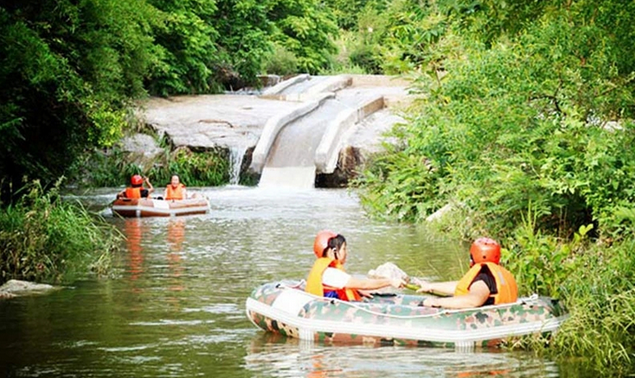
(46, 239)
(595, 281)
(601, 302)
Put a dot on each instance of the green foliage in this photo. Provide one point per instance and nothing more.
(543, 263)
(525, 115)
(196, 168)
(346, 12)
(68, 73)
(514, 125)
(595, 282)
(601, 303)
(306, 28)
(407, 195)
(365, 56)
(281, 62)
(115, 167)
(396, 37)
(410, 37)
(187, 50)
(44, 238)
(245, 38)
(346, 43)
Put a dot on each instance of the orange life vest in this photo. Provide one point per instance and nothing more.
(505, 283)
(133, 192)
(175, 194)
(315, 286)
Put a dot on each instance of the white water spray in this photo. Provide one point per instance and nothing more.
(236, 155)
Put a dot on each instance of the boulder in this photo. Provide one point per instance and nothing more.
(15, 288)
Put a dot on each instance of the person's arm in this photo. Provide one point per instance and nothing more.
(121, 194)
(342, 280)
(477, 296)
(373, 283)
(150, 187)
(439, 288)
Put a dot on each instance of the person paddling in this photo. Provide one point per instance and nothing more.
(486, 283)
(327, 277)
(136, 190)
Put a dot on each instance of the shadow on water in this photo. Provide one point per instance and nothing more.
(176, 304)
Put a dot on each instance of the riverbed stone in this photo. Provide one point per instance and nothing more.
(15, 288)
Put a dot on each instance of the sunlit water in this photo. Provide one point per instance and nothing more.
(175, 306)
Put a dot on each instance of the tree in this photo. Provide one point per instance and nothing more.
(68, 74)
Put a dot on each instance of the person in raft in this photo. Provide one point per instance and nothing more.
(136, 190)
(486, 283)
(175, 190)
(328, 278)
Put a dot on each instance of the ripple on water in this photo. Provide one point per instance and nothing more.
(219, 308)
(176, 305)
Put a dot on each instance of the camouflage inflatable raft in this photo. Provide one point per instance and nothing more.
(396, 319)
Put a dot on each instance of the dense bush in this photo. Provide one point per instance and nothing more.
(281, 62)
(306, 28)
(43, 238)
(67, 75)
(525, 128)
(514, 125)
(186, 48)
(114, 168)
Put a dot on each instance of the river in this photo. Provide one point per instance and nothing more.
(175, 303)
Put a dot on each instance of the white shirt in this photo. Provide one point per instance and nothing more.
(335, 278)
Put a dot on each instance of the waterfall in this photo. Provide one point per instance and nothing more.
(236, 155)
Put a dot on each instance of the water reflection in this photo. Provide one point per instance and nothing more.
(133, 230)
(277, 356)
(176, 235)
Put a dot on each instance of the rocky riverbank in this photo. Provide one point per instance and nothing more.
(235, 123)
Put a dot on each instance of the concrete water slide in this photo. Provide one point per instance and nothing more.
(301, 131)
(337, 112)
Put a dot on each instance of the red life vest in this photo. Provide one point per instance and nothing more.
(175, 194)
(315, 286)
(133, 192)
(505, 283)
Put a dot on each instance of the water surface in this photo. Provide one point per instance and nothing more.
(174, 306)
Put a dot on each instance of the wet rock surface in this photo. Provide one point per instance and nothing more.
(236, 121)
(16, 288)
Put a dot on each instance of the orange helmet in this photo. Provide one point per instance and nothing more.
(322, 241)
(485, 250)
(136, 180)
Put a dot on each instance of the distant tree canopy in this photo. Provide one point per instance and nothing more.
(71, 69)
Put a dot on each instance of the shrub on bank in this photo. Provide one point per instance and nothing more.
(529, 136)
(46, 239)
(115, 167)
(595, 282)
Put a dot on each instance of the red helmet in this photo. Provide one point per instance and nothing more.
(136, 180)
(322, 241)
(485, 250)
